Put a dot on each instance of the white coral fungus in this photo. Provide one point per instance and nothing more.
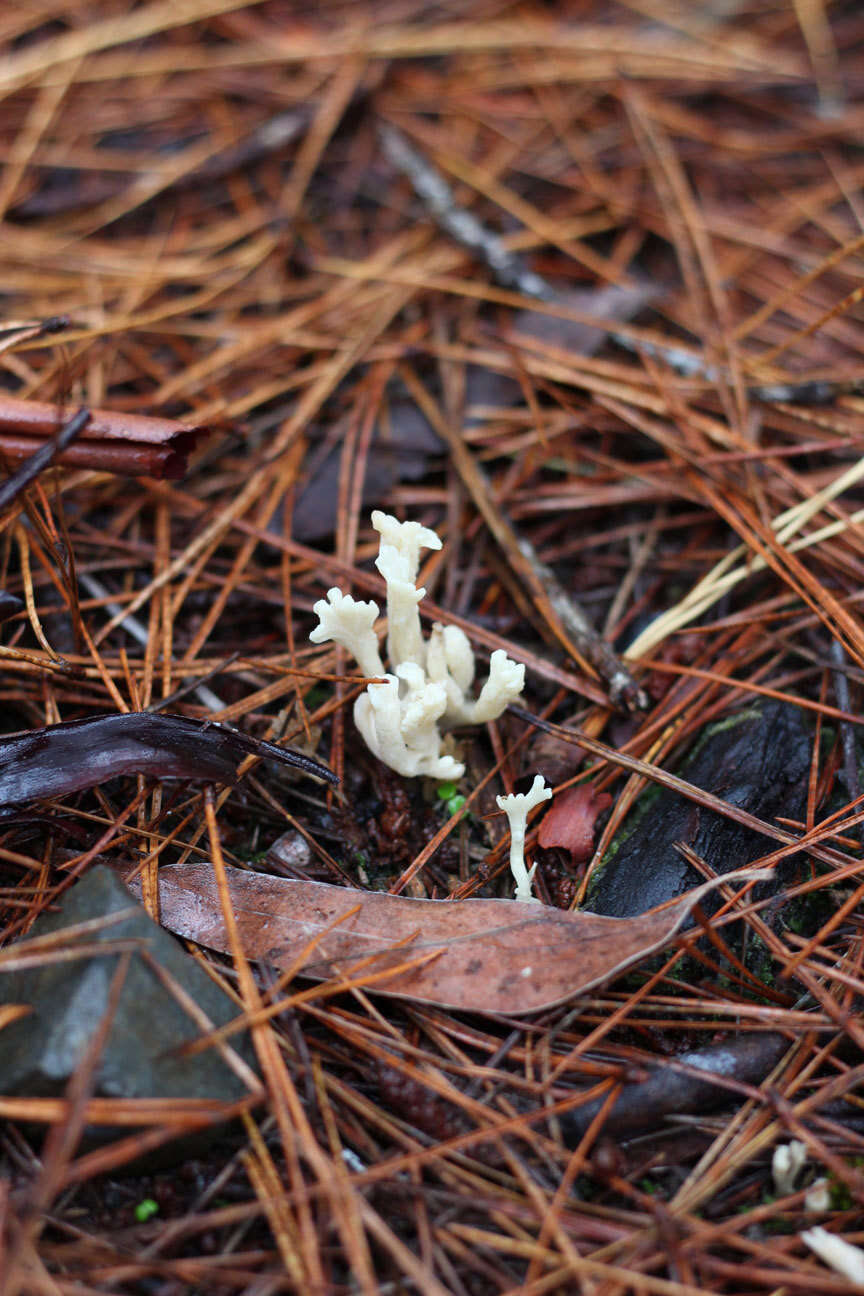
(787, 1163)
(517, 809)
(818, 1196)
(428, 689)
(842, 1257)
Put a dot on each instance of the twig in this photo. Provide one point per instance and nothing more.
(509, 271)
(461, 225)
(623, 688)
(12, 334)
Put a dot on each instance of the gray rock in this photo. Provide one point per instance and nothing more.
(39, 1053)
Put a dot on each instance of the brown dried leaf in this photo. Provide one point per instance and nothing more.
(569, 823)
(493, 956)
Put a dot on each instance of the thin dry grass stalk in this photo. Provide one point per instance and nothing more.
(201, 228)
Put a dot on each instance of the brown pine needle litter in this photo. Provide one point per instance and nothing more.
(579, 286)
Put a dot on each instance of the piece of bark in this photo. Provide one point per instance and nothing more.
(133, 445)
(44, 454)
(126, 458)
(41, 419)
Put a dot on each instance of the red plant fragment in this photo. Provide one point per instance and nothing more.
(569, 824)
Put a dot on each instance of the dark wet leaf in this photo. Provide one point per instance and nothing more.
(82, 753)
(10, 605)
(400, 455)
(610, 305)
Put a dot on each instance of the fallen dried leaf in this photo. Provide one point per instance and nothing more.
(493, 956)
(82, 753)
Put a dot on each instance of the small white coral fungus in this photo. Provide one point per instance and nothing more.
(429, 689)
(787, 1163)
(517, 807)
(841, 1255)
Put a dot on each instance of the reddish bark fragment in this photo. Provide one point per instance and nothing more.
(41, 418)
(134, 445)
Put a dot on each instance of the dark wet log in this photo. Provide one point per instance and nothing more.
(690, 1082)
(757, 760)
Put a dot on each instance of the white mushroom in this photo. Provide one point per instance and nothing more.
(407, 537)
(404, 636)
(505, 683)
(450, 661)
(403, 731)
(398, 562)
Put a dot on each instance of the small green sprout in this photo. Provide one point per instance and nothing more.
(453, 799)
(146, 1209)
